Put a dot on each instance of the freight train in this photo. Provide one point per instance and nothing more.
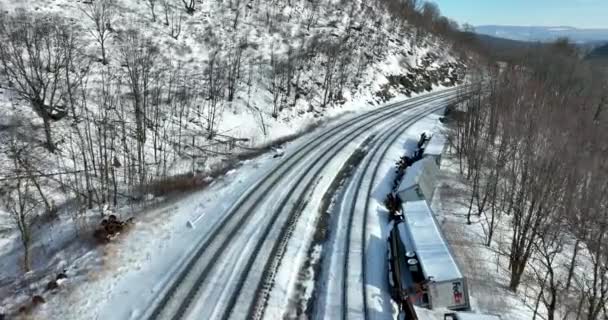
(422, 270)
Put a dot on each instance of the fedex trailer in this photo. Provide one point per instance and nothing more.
(442, 283)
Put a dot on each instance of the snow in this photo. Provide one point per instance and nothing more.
(138, 266)
(483, 267)
(116, 281)
(377, 227)
(128, 274)
(298, 245)
(286, 278)
(119, 280)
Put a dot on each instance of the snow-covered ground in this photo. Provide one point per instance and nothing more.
(113, 282)
(484, 268)
(323, 278)
(105, 274)
(209, 31)
(125, 274)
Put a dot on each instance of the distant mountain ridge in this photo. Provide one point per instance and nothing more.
(599, 53)
(544, 34)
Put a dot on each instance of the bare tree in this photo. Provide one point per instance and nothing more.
(152, 5)
(189, 5)
(102, 13)
(139, 56)
(518, 127)
(430, 14)
(21, 202)
(277, 69)
(167, 9)
(332, 53)
(34, 60)
(312, 12)
(594, 284)
(237, 14)
(549, 246)
(603, 94)
(216, 89)
(176, 25)
(234, 69)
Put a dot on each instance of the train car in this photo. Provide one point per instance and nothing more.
(447, 287)
(422, 269)
(403, 269)
(419, 181)
(435, 147)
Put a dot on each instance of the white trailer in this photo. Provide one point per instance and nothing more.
(435, 147)
(419, 182)
(447, 287)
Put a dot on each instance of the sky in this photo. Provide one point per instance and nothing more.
(573, 13)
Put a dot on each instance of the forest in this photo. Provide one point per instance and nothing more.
(532, 145)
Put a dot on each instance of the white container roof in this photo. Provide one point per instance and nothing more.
(436, 146)
(431, 247)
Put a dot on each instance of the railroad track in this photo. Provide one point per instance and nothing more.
(176, 300)
(349, 246)
(367, 199)
(256, 308)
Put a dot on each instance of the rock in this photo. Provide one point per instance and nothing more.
(37, 299)
(101, 235)
(278, 152)
(52, 285)
(61, 275)
(110, 228)
(116, 163)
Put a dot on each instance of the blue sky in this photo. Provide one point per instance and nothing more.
(574, 13)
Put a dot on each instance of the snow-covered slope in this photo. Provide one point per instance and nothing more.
(281, 66)
(227, 79)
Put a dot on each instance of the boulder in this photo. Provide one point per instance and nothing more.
(37, 299)
(52, 285)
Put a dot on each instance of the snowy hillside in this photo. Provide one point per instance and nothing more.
(130, 98)
(230, 75)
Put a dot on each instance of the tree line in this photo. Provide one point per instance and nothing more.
(532, 144)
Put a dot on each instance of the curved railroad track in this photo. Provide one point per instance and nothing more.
(217, 260)
(349, 245)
